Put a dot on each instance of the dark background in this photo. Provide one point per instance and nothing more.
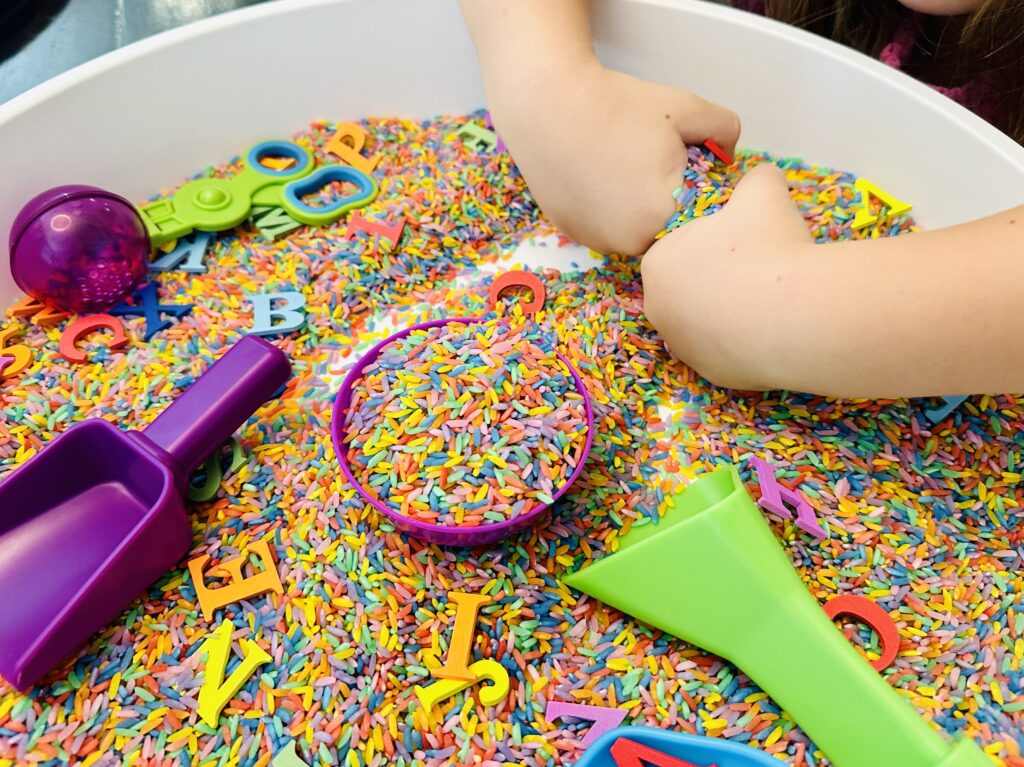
(42, 38)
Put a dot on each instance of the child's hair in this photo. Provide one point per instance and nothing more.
(986, 45)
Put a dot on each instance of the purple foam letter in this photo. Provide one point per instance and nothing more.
(603, 717)
(774, 498)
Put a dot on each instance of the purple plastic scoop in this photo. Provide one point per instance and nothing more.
(97, 516)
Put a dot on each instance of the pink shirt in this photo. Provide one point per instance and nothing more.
(973, 95)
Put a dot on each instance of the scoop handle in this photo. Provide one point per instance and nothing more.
(221, 400)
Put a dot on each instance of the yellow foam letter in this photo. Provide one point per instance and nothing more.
(456, 662)
(20, 355)
(491, 695)
(864, 215)
(216, 692)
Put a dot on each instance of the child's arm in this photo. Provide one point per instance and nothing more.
(749, 300)
(601, 151)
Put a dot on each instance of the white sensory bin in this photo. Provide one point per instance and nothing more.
(142, 118)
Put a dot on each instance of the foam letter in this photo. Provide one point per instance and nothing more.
(287, 757)
(949, 404)
(214, 473)
(238, 587)
(774, 497)
(190, 250)
(349, 153)
(264, 312)
(478, 138)
(874, 616)
(391, 232)
(490, 695)
(864, 215)
(273, 222)
(277, 163)
(20, 356)
(216, 692)
(148, 305)
(518, 278)
(84, 325)
(603, 717)
(718, 152)
(456, 662)
(629, 753)
(40, 313)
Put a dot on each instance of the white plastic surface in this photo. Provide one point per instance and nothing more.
(142, 118)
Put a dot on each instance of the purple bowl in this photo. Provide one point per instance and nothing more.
(447, 535)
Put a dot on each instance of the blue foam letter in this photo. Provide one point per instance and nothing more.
(190, 250)
(264, 312)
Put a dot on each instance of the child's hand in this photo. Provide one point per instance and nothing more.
(748, 299)
(720, 289)
(602, 151)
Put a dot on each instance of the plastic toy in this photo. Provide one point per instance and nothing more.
(604, 718)
(483, 670)
(643, 746)
(774, 498)
(97, 516)
(215, 204)
(447, 535)
(761, 617)
(216, 691)
(460, 646)
(78, 248)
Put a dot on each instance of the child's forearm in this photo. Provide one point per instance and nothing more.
(924, 314)
(580, 134)
(517, 40)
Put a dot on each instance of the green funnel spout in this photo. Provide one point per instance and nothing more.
(759, 615)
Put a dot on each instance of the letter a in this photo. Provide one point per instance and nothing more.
(865, 217)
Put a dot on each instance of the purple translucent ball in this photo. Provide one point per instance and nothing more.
(79, 248)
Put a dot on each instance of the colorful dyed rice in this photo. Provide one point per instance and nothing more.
(466, 424)
(925, 520)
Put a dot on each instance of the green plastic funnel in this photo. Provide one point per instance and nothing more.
(758, 614)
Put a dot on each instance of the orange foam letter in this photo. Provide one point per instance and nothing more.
(239, 587)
